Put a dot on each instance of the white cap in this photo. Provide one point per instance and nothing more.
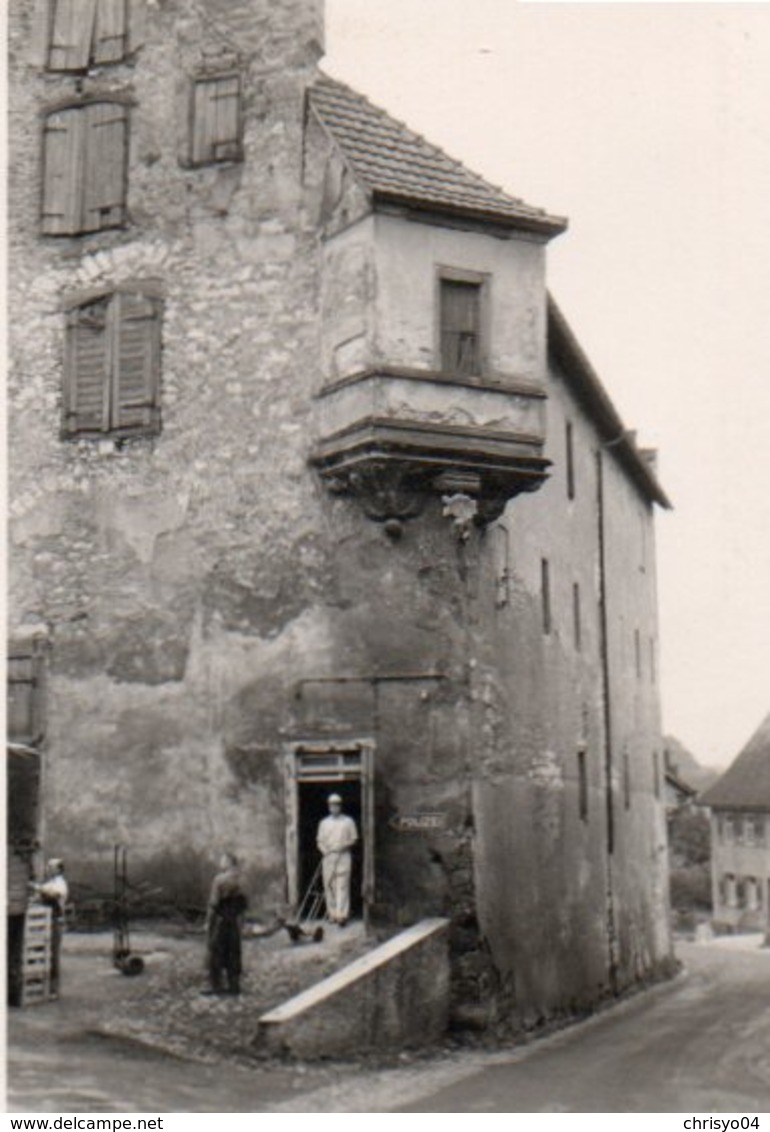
(334, 798)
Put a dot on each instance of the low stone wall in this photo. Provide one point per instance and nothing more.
(397, 995)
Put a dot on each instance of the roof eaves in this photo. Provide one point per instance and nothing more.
(540, 224)
(586, 383)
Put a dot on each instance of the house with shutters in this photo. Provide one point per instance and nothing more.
(739, 805)
(312, 487)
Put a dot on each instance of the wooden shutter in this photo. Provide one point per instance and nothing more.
(62, 171)
(104, 178)
(216, 128)
(71, 34)
(87, 370)
(109, 42)
(136, 361)
(460, 327)
(24, 723)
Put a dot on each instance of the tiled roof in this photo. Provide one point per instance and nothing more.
(564, 348)
(746, 784)
(396, 164)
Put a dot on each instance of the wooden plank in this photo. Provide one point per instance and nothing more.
(227, 111)
(109, 45)
(86, 386)
(106, 137)
(61, 147)
(135, 360)
(72, 28)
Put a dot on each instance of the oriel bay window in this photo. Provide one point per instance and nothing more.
(86, 33)
(85, 168)
(112, 366)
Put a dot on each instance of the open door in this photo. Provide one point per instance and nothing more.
(313, 771)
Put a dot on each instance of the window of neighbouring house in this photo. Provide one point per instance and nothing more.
(86, 33)
(85, 168)
(216, 119)
(753, 897)
(460, 326)
(735, 826)
(112, 367)
(731, 892)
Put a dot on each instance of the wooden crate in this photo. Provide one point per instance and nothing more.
(36, 957)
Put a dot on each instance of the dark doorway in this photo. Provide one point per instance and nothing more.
(312, 809)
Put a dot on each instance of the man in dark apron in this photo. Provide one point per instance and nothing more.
(224, 923)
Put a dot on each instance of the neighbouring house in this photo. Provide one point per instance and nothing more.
(313, 487)
(739, 803)
(678, 792)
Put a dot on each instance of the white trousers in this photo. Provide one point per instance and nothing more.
(336, 875)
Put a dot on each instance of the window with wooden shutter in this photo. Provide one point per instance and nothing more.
(85, 168)
(112, 367)
(460, 317)
(86, 33)
(216, 119)
(25, 723)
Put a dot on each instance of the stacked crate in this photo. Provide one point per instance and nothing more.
(36, 958)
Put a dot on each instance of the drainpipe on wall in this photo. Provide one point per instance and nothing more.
(606, 696)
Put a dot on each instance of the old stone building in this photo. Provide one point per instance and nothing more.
(311, 483)
(739, 804)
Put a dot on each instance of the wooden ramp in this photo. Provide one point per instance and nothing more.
(394, 996)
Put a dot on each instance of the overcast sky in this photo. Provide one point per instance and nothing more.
(648, 125)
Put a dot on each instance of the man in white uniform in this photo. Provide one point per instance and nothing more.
(336, 834)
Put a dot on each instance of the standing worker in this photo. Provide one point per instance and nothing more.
(337, 833)
(54, 892)
(224, 923)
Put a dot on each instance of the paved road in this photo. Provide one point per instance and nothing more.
(699, 1045)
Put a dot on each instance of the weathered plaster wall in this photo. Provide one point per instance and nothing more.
(589, 931)
(195, 588)
(409, 258)
(170, 574)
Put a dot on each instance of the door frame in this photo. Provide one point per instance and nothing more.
(330, 761)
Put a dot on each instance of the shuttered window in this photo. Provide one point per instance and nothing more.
(86, 33)
(24, 703)
(112, 367)
(84, 168)
(460, 327)
(216, 119)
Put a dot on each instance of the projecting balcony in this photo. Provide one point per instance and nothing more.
(392, 436)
